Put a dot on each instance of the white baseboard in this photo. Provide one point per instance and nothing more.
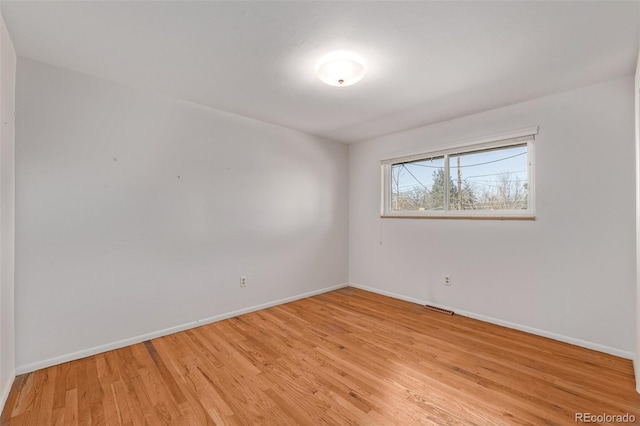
(5, 391)
(566, 339)
(22, 369)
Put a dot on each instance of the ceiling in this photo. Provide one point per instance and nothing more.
(426, 61)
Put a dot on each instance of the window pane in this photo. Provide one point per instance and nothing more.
(418, 185)
(495, 179)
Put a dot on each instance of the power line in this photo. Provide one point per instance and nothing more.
(472, 181)
(417, 180)
(415, 163)
(495, 182)
(496, 174)
(411, 186)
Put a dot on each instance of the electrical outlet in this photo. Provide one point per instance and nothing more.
(243, 281)
(447, 280)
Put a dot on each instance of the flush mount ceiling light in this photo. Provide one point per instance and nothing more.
(340, 69)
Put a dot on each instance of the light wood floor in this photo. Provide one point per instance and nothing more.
(345, 357)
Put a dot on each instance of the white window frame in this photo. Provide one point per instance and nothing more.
(503, 140)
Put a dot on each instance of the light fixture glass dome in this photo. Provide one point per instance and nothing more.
(340, 69)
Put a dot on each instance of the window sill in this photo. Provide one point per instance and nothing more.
(472, 217)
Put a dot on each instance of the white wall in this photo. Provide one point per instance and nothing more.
(7, 144)
(137, 213)
(570, 274)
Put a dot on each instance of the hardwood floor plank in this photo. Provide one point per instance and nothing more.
(167, 378)
(83, 399)
(32, 410)
(346, 357)
(46, 406)
(12, 400)
(139, 403)
(71, 408)
(60, 386)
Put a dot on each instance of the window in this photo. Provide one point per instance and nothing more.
(492, 178)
